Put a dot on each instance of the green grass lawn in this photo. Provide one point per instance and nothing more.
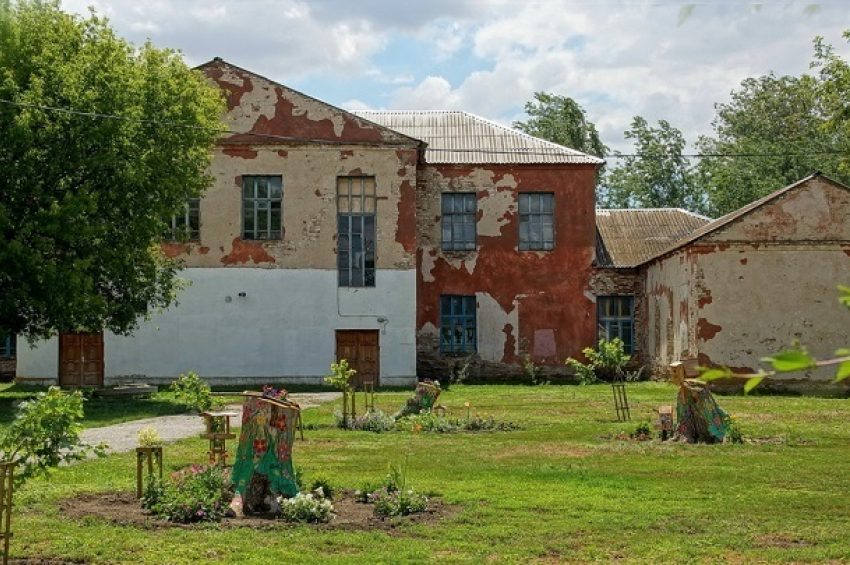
(558, 490)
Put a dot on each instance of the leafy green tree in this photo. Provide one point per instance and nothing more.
(100, 142)
(834, 86)
(657, 175)
(771, 134)
(561, 120)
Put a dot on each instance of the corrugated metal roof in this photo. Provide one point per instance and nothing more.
(631, 237)
(462, 138)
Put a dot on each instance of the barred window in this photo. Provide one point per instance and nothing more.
(615, 318)
(457, 324)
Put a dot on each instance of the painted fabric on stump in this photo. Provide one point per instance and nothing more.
(265, 445)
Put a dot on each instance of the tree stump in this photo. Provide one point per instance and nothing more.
(701, 420)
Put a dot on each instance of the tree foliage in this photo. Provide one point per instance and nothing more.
(101, 141)
(45, 433)
(561, 120)
(657, 175)
(771, 134)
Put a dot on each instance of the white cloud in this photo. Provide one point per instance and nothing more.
(617, 58)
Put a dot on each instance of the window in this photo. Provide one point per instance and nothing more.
(7, 346)
(356, 201)
(261, 207)
(458, 216)
(186, 226)
(536, 221)
(457, 324)
(615, 318)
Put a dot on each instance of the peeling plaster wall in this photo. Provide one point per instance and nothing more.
(536, 303)
(753, 287)
(669, 313)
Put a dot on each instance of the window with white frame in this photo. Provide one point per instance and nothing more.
(458, 327)
(459, 211)
(356, 205)
(262, 197)
(615, 317)
(536, 221)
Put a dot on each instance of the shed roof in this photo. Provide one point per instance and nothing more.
(463, 138)
(630, 237)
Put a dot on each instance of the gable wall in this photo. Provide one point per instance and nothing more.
(756, 286)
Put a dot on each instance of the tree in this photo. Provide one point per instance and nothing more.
(771, 134)
(658, 175)
(834, 86)
(101, 142)
(561, 120)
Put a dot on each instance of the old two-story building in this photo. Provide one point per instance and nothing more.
(328, 235)
(303, 250)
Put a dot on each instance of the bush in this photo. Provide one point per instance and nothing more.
(198, 493)
(606, 362)
(373, 421)
(398, 502)
(46, 432)
(323, 486)
(193, 392)
(306, 508)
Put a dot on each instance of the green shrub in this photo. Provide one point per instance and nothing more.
(323, 487)
(193, 392)
(46, 432)
(733, 431)
(606, 362)
(306, 508)
(398, 502)
(199, 493)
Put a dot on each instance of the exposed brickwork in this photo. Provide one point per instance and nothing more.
(626, 282)
(7, 368)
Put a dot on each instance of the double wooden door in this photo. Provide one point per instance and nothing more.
(361, 348)
(80, 360)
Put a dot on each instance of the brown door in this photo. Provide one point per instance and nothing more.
(80, 360)
(361, 349)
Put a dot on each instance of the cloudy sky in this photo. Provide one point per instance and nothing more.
(617, 58)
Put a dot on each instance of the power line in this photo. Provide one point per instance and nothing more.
(517, 151)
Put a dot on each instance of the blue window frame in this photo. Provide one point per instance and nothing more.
(536, 221)
(7, 346)
(457, 324)
(615, 317)
(459, 211)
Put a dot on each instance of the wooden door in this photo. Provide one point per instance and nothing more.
(361, 349)
(80, 360)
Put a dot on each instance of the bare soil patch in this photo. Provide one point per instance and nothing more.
(123, 508)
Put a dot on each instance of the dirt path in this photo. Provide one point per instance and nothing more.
(124, 437)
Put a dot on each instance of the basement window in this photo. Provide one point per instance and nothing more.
(536, 221)
(459, 211)
(186, 226)
(356, 203)
(7, 346)
(457, 324)
(615, 317)
(261, 207)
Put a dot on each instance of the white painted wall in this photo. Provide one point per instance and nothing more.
(282, 329)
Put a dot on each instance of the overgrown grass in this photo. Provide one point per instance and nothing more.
(559, 490)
